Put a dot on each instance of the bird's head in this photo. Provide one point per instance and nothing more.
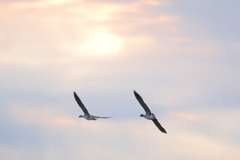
(80, 116)
(141, 115)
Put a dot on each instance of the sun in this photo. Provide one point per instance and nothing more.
(101, 44)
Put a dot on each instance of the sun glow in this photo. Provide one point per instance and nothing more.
(101, 43)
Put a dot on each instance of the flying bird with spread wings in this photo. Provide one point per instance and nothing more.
(149, 115)
(86, 115)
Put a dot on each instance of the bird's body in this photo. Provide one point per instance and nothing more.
(149, 115)
(86, 115)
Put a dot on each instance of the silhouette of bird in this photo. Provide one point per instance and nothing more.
(149, 115)
(86, 115)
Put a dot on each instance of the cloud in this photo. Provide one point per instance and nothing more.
(124, 139)
(47, 116)
(184, 116)
(68, 26)
(104, 50)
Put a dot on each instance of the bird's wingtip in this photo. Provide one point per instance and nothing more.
(136, 94)
(74, 93)
(164, 131)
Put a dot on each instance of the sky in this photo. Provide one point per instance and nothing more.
(182, 57)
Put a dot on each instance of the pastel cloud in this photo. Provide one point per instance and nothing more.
(49, 49)
(57, 40)
(185, 116)
(72, 29)
(121, 139)
(49, 116)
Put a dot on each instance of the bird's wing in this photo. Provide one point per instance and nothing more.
(101, 117)
(140, 100)
(155, 121)
(79, 102)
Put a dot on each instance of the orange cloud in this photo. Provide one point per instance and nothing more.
(168, 18)
(24, 114)
(184, 116)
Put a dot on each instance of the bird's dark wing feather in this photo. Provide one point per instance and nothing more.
(155, 121)
(79, 102)
(140, 100)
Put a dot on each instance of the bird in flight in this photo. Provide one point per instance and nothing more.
(149, 115)
(86, 115)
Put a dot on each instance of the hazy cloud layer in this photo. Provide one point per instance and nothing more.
(182, 57)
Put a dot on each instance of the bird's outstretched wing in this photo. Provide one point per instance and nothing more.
(102, 117)
(81, 105)
(155, 121)
(140, 100)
